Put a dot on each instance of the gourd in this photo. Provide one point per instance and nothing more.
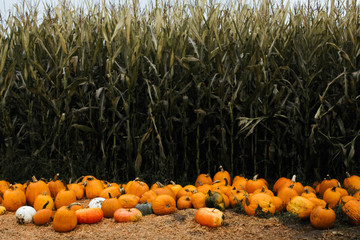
(215, 200)
(96, 202)
(145, 208)
(25, 214)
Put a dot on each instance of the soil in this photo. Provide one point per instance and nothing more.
(182, 225)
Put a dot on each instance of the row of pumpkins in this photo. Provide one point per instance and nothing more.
(35, 201)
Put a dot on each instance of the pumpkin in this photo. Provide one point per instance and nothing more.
(203, 179)
(174, 187)
(287, 193)
(215, 200)
(352, 210)
(164, 204)
(112, 190)
(317, 201)
(78, 189)
(136, 187)
(185, 192)
(210, 217)
(327, 183)
(89, 215)
(341, 190)
(25, 214)
(307, 193)
(279, 204)
(332, 197)
(128, 200)
(253, 184)
(109, 206)
(55, 186)
(43, 215)
(2, 210)
(265, 190)
(222, 175)
(259, 205)
(300, 207)
(322, 217)
(236, 198)
(345, 199)
(156, 185)
(96, 202)
(148, 197)
(352, 183)
(65, 219)
(93, 187)
(34, 189)
(204, 188)
(64, 198)
(198, 200)
(145, 208)
(184, 202)
(165, 191)
(40, 201)
(13, 198)
(299, 188)
(279, 183)
(19, 186)
(4, 185)
(240, 182)
(127, 215)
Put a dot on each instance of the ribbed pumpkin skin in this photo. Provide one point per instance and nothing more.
(352, 211)
(65, 219)
(210, 217)
(322, 218)
(164, 204)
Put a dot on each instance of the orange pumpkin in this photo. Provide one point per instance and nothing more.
(184, 202)
(40, 201)
(65, 219)
(259, 204)
(332, 197)
(300, 207)
(64, 198)
(128, 200)
(327, 183)
(222, 175)
(203, 179)
(198, 200)
(93, 187)
(164, 204)
(352, 210)
(13, 198)
(287, 193)
(322, 217)
(352, 183)
(253, 184)
(110, 205)
(89, 215)
(43, 215)
(148, 197)
(127, 215)
(210, 217)
(55, 186)
(34, 189)
(78, 189)
(137, 188)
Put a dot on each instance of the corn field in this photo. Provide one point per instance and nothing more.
(180, 87)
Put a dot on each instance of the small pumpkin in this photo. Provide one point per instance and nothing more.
(78, 189)
(164, 204)
(259, 204)
(328, 182)
(65, 219)
(96, 202)
(322, 217)
(127, 215)
(215, 200)
(25, 214)
(210, 217)
(286, 193)
(34, 189)
(198, 200)
(203, 179)
(64, 198)
(55, 186)
(128, 200)
(136, 187)
(332, 197)
(41, 200)
(352, 182)
(2, 210)
(13, 198)
(184, 202)
(110, 205)
(300, 207)
(43, 215)
(253, 184)
(222, 175)
(89, 215)
(145, 208)
(93, 187)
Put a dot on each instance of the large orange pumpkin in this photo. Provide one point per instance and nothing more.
(210, 217)
(164, 204)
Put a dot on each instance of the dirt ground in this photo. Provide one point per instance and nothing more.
(182, 225)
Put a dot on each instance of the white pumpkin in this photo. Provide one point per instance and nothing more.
(96, 202)
(25, 214)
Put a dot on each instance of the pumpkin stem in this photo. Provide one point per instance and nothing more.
(226, 181)
(328, 177)
(293, 179)
(291, 186)
(333, 189)
(255, 177)
(326, 206)
(172, 183)
(306, 190)
(187, 198)
(109, 195)
(216, 181)
(137, 179)
(200, 183)
(45, 205)
(73, 204)
(263, 189)
(55, 177)
(34, 179)
(79, 179)
(339, 184)
(348, 174)
(221, 169)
